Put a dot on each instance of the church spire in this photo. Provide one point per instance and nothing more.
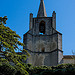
(42, 10)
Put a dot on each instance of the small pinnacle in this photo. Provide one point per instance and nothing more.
(41, 0)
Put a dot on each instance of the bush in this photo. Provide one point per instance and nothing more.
(7, 69)
(63, 69)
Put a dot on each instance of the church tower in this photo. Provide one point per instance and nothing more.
(43, 41)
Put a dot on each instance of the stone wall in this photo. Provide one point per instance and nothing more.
(45, 58)
(37, 43)
(70, 61)
(38, 59)
(60, 41)
(48, 23)
(60, 57)
(45, 48)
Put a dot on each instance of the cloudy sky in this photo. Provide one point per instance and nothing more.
(18, 12)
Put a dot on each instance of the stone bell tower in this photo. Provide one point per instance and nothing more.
(43, 41)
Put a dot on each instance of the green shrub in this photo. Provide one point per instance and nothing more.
(7, 69)
(62, 69)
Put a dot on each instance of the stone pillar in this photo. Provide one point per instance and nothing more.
(31, 21)
(54, 20)
(60, 57)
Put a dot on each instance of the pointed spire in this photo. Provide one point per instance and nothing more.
(42, 10)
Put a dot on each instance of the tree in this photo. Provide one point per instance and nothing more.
(4, 21)
(9, 42)
(7, 69)
(8, 38)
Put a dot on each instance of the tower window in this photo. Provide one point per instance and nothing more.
(42, 27)
(43, 49)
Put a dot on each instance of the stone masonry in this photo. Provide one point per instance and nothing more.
(43, 41)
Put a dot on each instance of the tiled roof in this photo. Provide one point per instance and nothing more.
(69, 57)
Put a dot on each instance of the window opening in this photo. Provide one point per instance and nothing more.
(43, 49)
(42, 28)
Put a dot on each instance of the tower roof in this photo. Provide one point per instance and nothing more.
(42, 10)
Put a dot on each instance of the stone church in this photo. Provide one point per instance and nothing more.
(43, 41)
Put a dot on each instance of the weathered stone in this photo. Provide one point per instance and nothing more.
(43, 41)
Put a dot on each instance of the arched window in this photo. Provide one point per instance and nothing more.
(43, 49)
(42, 27)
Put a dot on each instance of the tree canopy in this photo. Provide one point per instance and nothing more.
(8, 38)
(9, 42)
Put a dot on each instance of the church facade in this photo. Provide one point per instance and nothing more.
(43, 41)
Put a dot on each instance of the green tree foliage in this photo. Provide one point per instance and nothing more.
(63, 69)
(8, 38)
(7, 69)
(3, 20)
(9, 42)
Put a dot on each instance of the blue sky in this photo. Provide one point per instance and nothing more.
(18, 12)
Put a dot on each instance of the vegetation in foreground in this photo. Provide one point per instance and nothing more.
(63, 69)
(9, 43)
(13, 65)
